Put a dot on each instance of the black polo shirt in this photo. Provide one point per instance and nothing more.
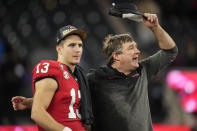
(120, 102)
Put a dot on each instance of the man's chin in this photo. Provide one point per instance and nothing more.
(136, 65)
(75, 62)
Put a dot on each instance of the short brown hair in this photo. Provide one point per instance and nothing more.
(113, 44)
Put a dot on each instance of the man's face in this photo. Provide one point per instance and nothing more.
(129, 56)
(71, 50)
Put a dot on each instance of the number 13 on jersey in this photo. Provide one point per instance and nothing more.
(45, 68)
(72, 114)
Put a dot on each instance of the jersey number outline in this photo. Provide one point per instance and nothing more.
(45, 70)
(72, 114)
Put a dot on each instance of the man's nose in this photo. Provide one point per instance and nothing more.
(78, 48)
(137, 51)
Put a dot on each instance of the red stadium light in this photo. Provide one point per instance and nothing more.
(157, 127)
(18, 128)
(162, 127)
(189, 103)
(185, 83)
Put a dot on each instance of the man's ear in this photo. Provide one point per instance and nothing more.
(58, 49)
(116, 56)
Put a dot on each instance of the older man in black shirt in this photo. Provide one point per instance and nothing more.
(119, 90)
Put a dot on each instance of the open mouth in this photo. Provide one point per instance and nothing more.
(135, 58)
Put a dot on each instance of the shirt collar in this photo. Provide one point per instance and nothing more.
(115, 73)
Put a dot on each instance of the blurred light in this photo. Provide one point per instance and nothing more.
(77, 19)
(185, 83)
(170, 127)
(18, 128)
(156, 127)
(32, 4)
(75, 15)
(42, 27)
(101, 31)
(19, 70)
(24, 18)
(16, 44)
(178, 81)
(64, 2)
(93, 17)
(12, 38)
(7, 29)
(82, 2)
(45, 31)
(50, 4)
(41, 23)
(22, 24)
(2, 11)
(189, 87)
(26, 30)
(79, 22)
(190, 105)
(21, 51)
(37, 11)
(59, 17)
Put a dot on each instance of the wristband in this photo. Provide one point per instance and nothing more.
(67, 129)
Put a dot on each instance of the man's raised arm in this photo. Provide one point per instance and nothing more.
(164, 40)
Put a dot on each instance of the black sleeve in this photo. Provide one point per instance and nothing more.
(159, 61)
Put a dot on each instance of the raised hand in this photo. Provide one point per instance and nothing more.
(150, 20)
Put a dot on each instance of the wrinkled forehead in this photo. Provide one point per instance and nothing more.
(73, 39)
(130, 43)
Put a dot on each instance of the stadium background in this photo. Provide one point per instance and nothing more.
(27, 35)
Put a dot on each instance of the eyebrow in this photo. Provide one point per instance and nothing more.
(131, 45)
(76, 43)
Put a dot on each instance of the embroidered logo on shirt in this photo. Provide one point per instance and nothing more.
(66, 75)
(135, 75)
(76, 79)
(113, 77)
(61, 66)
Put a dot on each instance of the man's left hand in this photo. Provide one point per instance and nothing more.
(150, 20)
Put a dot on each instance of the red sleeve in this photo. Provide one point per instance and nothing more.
(45, 69)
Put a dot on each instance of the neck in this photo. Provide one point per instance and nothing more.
(71, 66)
(120, 68)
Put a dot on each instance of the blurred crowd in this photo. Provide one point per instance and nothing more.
(27, 35)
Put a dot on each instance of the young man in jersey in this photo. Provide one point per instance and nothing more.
(60, 85)
(119, 89)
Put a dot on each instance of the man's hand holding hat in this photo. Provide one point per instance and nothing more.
(151, 21)
(126, 9)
